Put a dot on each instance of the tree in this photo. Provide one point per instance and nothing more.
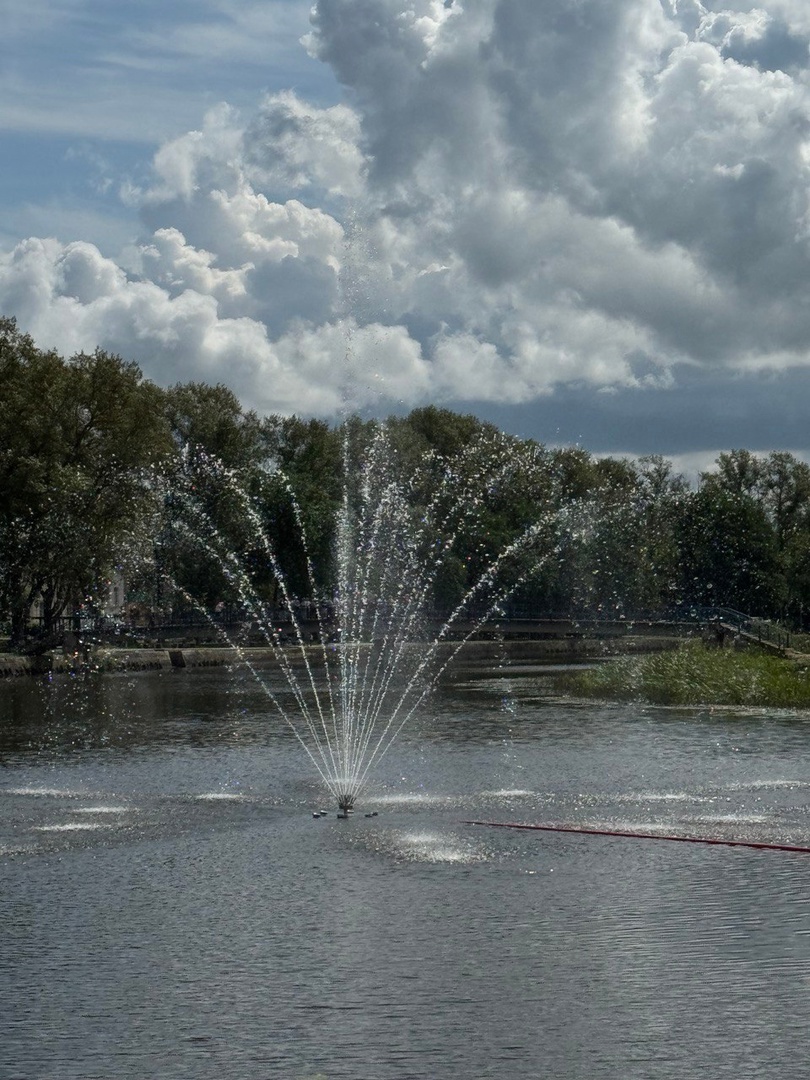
(727, 552)
(780, 485)
(661, 494)
(78, 443)
(217, 471)
(786, 495)
(446, 432)
(739, 472)
(210, 420)
(302, 496)
(620, 554)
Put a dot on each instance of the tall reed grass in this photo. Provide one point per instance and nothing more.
(697, 675)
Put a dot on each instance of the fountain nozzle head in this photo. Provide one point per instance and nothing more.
(346, 804)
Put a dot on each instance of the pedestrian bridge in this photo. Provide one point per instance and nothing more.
(720, 624)
(723, 625)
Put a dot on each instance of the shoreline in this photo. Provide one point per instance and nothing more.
(106, 659)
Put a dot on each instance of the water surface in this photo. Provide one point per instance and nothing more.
(170, 908)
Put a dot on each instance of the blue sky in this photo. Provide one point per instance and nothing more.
(589, 222)
(91, 89)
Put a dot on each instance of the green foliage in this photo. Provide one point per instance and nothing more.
(302, 497)
(211, 419)
(622, 552)
(727, 552)
(79, 440)
(489, 492)
(220, 452)
(447, 433)
(697, 675)
(779, 485)
(99, 468)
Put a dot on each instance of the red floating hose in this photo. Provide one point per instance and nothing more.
(641, 836)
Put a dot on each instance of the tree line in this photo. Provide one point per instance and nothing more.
(101, 471)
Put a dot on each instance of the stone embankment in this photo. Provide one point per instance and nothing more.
(473, 653)
(60, 663)
(15, 665)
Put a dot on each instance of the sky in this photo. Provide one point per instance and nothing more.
(587, 221)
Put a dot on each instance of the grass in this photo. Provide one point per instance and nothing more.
(696, 675)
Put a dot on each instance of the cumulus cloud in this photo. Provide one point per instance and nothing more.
(516, 198)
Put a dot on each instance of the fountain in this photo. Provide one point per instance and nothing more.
(379, 646)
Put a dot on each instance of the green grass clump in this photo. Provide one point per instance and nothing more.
(696, 675)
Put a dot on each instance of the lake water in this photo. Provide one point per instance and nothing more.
(169, 908)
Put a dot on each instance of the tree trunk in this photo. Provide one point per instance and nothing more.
(49, 609)
(20, 608)
(19, 626)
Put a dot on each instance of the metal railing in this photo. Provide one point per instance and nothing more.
(765, 631)
(160, 624)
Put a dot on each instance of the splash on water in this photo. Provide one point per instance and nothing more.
(43, 792)
(219, 796)
(741, 818)
(392, 799)
(428, 846)
(73, 826)
(509, 793)
(659, 796)
(774, 784)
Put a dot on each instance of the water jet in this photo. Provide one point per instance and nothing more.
(360, 660)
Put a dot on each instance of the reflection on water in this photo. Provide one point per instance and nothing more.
(171, 908)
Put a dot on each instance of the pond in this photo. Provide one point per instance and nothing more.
(171, 909)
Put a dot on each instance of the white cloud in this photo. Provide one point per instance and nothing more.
(293, 145)
(514, 198)
(171, 263)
